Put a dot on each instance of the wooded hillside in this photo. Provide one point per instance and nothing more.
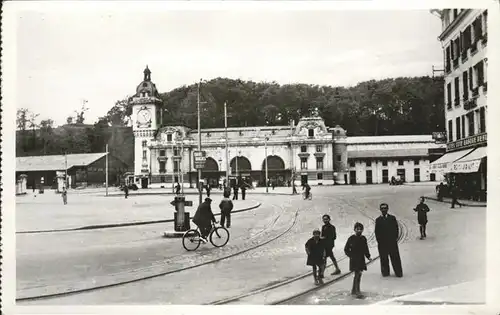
(387, 107)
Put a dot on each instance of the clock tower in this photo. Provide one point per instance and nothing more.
(146, 107)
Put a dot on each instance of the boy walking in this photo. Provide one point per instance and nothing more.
(64, 195)
(226, 206)
(421, 209)
(329, 235)
(356, 248)
(315, 250)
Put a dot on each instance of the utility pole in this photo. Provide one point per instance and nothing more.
(107, 153)
(66, 170)
(199, 145)
(227, 144)
(181, 167)
(265, 152)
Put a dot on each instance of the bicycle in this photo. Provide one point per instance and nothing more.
(308, 197)
(218, 236)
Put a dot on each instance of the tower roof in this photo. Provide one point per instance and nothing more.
(146, 88)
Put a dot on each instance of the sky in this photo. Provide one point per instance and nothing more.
(99, 55)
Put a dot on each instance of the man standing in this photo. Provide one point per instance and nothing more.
(243, 190)
(235, 190)
(454, 196)
(208, 188)
(387, 234)
(294, 188)
(177, 188)
(125, 190)
(64, 195)
(329, 235)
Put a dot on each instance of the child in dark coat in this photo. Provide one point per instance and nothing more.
(315, 249)
(356, 249)
(421, 209)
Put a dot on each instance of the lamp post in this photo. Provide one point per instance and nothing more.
(266, 138)
(265, 152)
(227, 143)
(199, 142)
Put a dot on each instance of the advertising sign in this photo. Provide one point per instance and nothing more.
(199, 159)
(467, 142)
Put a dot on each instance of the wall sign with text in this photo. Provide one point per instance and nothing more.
(467, 142)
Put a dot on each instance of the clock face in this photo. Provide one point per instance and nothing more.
(144, 116)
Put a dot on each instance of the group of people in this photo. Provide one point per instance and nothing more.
(320, 246)
(204, 216)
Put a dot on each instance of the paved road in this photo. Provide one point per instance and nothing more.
(46, 211)
(452, 253)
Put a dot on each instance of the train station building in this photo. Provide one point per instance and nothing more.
(306, 151)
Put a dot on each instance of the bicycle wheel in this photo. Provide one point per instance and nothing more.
(219, 236)
(191, 240)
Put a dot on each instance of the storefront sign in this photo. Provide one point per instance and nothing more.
(465, 167)
(199, 159)
(467, 142)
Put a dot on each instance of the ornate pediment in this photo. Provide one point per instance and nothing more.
(172, 134)
(317, 124)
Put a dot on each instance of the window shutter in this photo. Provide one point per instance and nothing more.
(480, 77)
(471, 73)
(462, 48)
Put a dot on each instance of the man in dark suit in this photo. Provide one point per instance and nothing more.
(387, 233)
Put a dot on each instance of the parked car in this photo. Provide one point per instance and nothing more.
(130, 187)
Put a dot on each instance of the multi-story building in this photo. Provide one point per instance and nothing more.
(306, 152)
(464, 40)
(376, 160)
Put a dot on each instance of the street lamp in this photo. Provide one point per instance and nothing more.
(200, 196)
(266, 138)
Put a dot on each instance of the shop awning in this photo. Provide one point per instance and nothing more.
(469, 163)
(444, 162)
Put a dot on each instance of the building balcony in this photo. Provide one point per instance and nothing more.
(303, 154)
(447, 68)
(448, 105)
(457, 100)
(484, 40)
(163, 171)
(162, 158)
(473, 49)
(465, 97)
(464, 55)
(475, 92)
(455, 63)
(470, 104)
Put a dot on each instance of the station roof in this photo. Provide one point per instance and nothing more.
(390, 139)
(394, 153)
(55, 162)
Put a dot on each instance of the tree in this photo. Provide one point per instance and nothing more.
(80, 118)
(47, 135)
(119, 114)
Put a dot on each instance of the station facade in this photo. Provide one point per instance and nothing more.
(308, 151)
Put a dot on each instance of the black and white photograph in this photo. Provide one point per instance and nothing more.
(189, 154)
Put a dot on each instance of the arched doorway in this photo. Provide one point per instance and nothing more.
(210, 172)
(276, 172)
(241, 169)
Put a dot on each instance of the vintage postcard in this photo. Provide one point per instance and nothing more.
(250, 156)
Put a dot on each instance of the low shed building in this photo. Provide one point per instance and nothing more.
(86, 169)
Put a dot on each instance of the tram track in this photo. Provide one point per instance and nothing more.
(403, 236)
(165, 273)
